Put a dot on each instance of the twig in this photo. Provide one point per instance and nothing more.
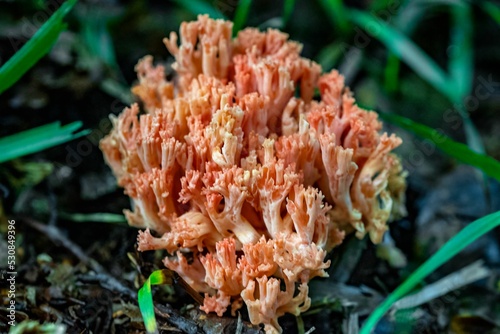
(351, 324)
(172, 316)
(239, 325)
(102, 276)
(104, 280)
(312, 329)
(211, 324)
(456, 280)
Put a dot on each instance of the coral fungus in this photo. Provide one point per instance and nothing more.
(240, 169)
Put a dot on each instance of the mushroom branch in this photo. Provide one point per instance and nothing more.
(242, 175)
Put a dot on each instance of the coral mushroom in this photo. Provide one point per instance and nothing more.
(239, 169)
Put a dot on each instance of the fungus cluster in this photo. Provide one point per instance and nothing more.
(245, 176)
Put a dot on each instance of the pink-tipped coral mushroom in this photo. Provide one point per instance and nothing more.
(239, 169)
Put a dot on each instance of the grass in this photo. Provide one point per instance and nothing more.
(457, 84)
(391, 73)
(241, 15)
(145, 297)
(43, 137)
(38, 139)
(201, 7)
(406, 50)
(288, 7)
(492, 9)
(38, 46)
(459, 151)
(98, 217)
(455, 245)
(337, 13)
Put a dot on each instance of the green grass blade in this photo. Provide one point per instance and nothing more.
(391, 73)
(461, 67)
(472, 135)
(96, 217)
(25, 139)
(241, 15)
(97, 38)
(329, 55)
(492, 10)
(300, 325)
(117, 90)
(35, 48)
(461, 62)
(379, 5)
(405, 50)
(408, 16)
(461, 240)
(288, 7)
(31, 133)
(38, 139)
(200, 7)
(146, 306)
(459, 151)
(146, 297)
(337, 13)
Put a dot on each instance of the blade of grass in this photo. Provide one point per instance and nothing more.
(337, 13)
(459, 151)
(405, 18)
(146, 297)
(378, 5)
(351, 64)
(407, 51)
(97, 38)
(461, 66)
(391, 73)
(241, 15)
(425, 67)
(200, 7)
(472, 136)
(452, 87)
(35, 48)
(300, 325)
(31, 133)
(288, 7)
(461, 240)
(329, 55)
(117, 90)
(492, 10)
(38, 139)
(96, 217)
